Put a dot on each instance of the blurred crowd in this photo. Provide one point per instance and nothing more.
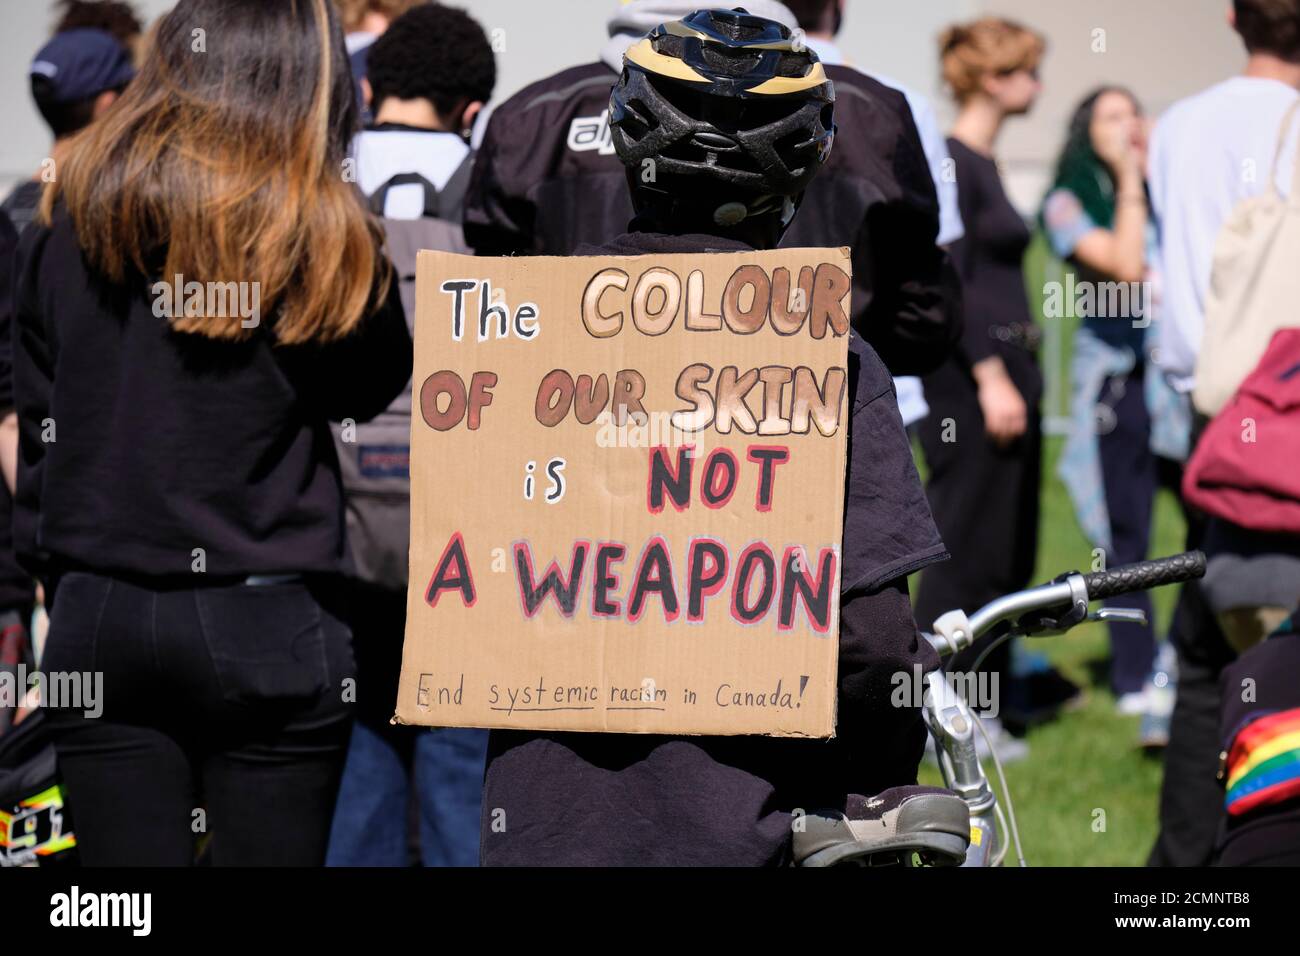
(311, 148)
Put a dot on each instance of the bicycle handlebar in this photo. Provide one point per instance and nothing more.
(1051, 608)
(1145, 574)
(1066, 599)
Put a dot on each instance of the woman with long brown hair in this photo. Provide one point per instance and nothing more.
(203, 294)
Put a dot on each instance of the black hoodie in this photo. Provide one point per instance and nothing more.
(151, 453)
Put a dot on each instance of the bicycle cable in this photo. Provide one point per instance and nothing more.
(1006, 845)
(993, 645)
(1009, 822)
(1003, 823)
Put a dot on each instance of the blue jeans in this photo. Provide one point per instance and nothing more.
(442, 770)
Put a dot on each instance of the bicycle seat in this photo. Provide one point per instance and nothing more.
(891, 828)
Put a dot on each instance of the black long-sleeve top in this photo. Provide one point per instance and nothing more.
(140, 445)
(989, 260)
(875, 195)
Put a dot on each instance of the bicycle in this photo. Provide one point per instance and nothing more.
(1049, 609)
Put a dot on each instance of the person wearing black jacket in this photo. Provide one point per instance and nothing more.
(546, 180)
(632, 799)
(201, 293)
(17, 590)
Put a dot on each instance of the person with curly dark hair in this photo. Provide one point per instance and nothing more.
(440, 58)
(429, 75)
(364, 22)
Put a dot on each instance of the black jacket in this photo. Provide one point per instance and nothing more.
(17, 591)
(140, 445)
(547, 180)
(575, 799)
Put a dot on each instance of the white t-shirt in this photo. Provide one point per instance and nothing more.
(355, 42)
(911, 397)
(932, 141)
(389, 151)
(1208, 153)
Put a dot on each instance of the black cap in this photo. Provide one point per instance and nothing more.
(80, 64)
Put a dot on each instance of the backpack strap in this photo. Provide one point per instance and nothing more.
(1282, 137)
(453, 193)
(379, 198)
(445, 203)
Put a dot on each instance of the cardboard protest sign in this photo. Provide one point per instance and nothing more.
(627, 492)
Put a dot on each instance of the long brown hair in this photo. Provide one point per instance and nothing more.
(224, 161)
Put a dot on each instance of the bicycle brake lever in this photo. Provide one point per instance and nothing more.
(1043, 623)
(1130, 615)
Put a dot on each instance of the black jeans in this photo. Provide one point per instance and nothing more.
(1130, 475)
(1191, 799)
(223, 711)
(985, 504)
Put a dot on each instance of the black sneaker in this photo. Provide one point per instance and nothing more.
(889, 829)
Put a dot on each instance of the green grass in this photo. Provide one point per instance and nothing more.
(1086, 762)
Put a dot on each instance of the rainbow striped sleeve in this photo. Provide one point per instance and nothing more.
(1263, 765)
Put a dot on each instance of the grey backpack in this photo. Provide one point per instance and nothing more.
(374, 457)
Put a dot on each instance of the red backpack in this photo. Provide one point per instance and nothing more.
(1246, 467)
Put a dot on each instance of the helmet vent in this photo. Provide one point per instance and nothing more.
(729, 62)
(638, 119)
(669, 45)
(793, 65)
(714, 141)
(738, 26)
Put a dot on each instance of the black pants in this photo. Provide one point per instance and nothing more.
(1131, 474)
(1191, 800)
(222, 712)
(985, 504)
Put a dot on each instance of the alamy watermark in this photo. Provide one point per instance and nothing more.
(977, 689)
(222, 300)
(67, 690)
(78, 908)
(639, 429)
(1085, 299)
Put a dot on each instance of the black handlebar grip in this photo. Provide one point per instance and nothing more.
(1145, 574)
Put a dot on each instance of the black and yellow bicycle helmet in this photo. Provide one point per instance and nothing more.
(722, 108)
